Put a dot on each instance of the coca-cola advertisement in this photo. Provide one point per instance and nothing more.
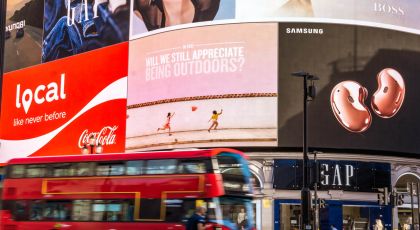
(59, 107)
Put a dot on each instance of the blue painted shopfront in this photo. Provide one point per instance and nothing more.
(346, 176)
(332, 214)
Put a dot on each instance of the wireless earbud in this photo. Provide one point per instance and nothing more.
(389, 96)
(347, 102)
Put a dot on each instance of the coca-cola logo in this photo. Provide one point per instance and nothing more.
(106, 136)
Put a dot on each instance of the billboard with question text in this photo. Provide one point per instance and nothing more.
(208, 86)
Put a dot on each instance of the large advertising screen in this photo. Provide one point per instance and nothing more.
(400, 13)
(157, 14)
(23, 40)
(53, 108)
(367, 93)
(73, 27)
(204, 86)
(39, 31)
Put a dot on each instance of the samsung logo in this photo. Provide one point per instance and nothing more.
(304, 31)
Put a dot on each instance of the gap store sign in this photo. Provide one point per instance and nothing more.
(339, 175)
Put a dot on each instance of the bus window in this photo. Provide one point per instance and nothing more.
(20, 211)
(62, 170)
(118, 210)
(189, 166)
(161, 166)
(135, 167)
(98, 210)
(236, 212)
(84, 169)
(110, 210)
(150, 209)
(36, 210)
(233, 174)
(17, 171)
(81, 210)
(35, 170)
(110, 169)
(179, 210)
(57, 210)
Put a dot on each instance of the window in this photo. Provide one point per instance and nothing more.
(17, 171)
(161, 166)
(109, 169)
(179, 210)
(81, 210)
(150, 209)
(111, 210)
(188, 166)
(57, 210)
(62, 170)
(36, 212)
(237, 211)
(98, 210)
(52, 210)
(118, 211)
(84, 169)
(35, 170)
(20, 211)
(135, 167)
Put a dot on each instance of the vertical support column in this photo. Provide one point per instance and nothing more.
(395, 219)
(418, 203)
(267, 209)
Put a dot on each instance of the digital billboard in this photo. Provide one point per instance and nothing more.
(157, 14)
(400, 13)
(53, 108)
(23, 40)
(367, 92)
(73, 27)
(204, 86)
(39, 31)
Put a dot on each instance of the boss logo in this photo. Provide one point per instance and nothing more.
(387, 8)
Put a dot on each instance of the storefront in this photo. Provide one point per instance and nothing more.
(349, 190)
(342, 214)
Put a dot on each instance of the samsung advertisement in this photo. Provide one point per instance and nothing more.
(367, 92)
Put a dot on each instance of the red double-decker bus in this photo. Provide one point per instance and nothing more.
(155, 190)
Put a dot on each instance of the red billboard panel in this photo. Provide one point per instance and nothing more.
(52, 109)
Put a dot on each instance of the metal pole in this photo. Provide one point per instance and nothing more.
(306, 192)
(412, 204)
(316, 218)
(418, 204)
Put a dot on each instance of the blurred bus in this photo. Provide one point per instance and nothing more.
(148, 190)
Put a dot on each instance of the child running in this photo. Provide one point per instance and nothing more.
(214, 118)
(167, 124)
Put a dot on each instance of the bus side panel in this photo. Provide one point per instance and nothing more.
(27, 225)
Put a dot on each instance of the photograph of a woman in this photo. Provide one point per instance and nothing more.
(150, 15)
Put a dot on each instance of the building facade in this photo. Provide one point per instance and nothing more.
(280, 208)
